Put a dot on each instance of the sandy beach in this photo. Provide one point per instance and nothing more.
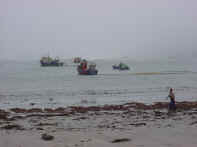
(128, 125)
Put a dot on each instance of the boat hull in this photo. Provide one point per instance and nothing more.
(120, 68)
(51, 64)
(87, 72)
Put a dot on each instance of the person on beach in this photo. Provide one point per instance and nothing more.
(172, 106)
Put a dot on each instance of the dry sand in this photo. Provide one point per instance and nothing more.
(133, 125)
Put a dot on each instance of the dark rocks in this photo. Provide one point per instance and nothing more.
(16, 117)
(32, 104)
(138, 124)
(47, 137)
(86, 140)
(80, 118)
(39, 128)
(20, 110)
(146, 116)
(14, 126)
(81, 109)
(159, 114)
(168, 126)
(193, 123)
(47, 124)
(120, 140)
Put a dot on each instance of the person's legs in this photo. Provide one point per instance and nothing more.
(172, 106)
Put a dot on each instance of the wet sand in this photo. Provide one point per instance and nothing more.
(128, 125)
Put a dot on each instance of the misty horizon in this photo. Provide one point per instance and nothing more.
(98, 29)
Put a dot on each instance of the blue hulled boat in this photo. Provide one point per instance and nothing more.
(48, 61)
(83, 69)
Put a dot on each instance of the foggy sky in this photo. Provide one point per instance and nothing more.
(30, 29)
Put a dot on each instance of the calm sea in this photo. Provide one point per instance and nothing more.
(26, 84)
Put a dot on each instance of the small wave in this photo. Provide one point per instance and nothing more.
(161, 73)
(179, 71)
(85, 101)
(148, 73)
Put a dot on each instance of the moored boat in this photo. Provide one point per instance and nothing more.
(121, 66)
(77, 60)
(84, 69)
(48, 61)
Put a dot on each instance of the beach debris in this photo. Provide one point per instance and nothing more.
(86, 140)
(21, 110)
(123, 107)
(193, 123)
(3, 114)
(18, 110)
(14, 126)
(138, 124)
(80, 118)
(120, 140)
(47, 137)
(34, 110)
(39, 128)
(32, 104)
(47, 124)
(57, 110)
(158, 113)
(103, 126)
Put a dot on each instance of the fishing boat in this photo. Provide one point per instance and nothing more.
(77, 60)
(84, 69)
(121, 66)
(48, 61)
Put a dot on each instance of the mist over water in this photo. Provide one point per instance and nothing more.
(26, 84)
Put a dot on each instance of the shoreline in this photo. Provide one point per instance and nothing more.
(107, 125)
(184, 105)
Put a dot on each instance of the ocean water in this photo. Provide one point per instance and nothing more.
(25, 84)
